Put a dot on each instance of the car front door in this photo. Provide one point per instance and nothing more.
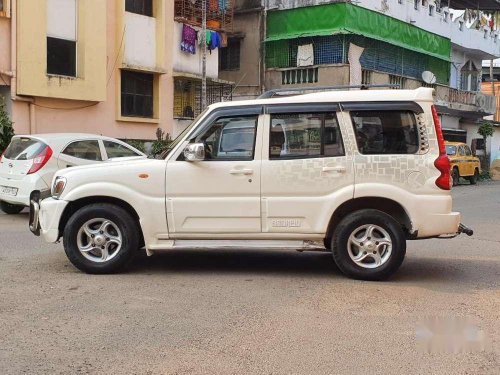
(306, 171)
(220, 195)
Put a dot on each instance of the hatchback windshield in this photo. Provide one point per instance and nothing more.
(24, 149)
(451, 150)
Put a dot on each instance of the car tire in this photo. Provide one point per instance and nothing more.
(455, 176)
(10, 209)
(381, 250)
(101, 239)
(473, 179)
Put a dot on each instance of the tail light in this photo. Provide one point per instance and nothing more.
(40, 160)
(442, 163)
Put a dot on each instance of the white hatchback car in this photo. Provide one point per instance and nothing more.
(29, 163)
(355, 173)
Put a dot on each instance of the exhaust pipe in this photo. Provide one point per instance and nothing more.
(464, 229)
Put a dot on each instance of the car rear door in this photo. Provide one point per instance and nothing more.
(80, 152)
(306, 170)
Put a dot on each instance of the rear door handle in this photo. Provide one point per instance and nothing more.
(334, 169)
(241, 171)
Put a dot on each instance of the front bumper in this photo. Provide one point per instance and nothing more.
(45, 217)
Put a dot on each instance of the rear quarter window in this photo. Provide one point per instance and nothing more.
(24, 149)
(386, 132)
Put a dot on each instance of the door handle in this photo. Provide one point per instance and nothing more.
(241, 171)
(334, 169)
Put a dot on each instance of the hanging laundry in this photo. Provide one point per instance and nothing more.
(213, 6)
(208, 38)
(222, 6)
(215, 40)
(223, 39)
(305, 55)
(188, 42)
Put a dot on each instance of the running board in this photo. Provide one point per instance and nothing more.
(238, 244)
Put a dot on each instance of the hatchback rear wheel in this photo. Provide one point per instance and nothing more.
(369, 245)
(101, 238)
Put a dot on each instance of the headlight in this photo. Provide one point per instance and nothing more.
(58, 187)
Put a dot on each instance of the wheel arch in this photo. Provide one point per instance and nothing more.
(75, 205)
(386, 205)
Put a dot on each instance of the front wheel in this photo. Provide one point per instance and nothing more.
(101, 238)
(473, 179)
(10, 209)
(368, 245)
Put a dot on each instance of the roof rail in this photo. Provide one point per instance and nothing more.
(305, 90)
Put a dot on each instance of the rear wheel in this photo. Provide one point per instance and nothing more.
(368, 245)
(10, 209)
(101, 238)
(473, 179)
(455, 176)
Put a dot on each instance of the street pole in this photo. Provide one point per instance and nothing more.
(204, 55)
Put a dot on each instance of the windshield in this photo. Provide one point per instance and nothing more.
(451, 150)
(179, 138)
(24, 149)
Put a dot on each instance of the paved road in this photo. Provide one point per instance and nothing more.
(249, 312)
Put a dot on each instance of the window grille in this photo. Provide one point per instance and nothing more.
(299, 76)
(187, 96)
(136, 94)
(61, 57)
(220, 13)
(229, 57)
(377, 56)
(366, 77)
(398, 80)
(144, 7)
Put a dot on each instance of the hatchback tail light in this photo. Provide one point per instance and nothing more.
(41, 159)
(442, 163)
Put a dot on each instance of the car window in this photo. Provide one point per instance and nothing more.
(461, 151)
(24, 149)
(386, 132)
(467, 151)
(88, 150)
(229, 138)
(451, 150)
(116, 150)
(304, 135)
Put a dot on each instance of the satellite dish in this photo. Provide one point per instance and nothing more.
(428, 77)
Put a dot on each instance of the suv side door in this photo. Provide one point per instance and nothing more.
(306, 169)
(220, 195)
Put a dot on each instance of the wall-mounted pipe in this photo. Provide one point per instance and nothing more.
(13, 68)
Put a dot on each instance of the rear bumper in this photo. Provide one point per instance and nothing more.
(24, 188)
(432, 216)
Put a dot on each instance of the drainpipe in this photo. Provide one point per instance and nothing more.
(262, 65)
(13, 67)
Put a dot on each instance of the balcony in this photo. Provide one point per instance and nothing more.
(219, 13)
(466, 101)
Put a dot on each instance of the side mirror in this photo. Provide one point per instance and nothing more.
(195, 152)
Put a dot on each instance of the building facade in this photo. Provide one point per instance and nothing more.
(381, 42)
(104, 67)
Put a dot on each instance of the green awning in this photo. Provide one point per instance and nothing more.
(343, 18)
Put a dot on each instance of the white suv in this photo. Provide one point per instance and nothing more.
(354, 172)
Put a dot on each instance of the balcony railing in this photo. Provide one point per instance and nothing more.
(220, 13)
(483, 103)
